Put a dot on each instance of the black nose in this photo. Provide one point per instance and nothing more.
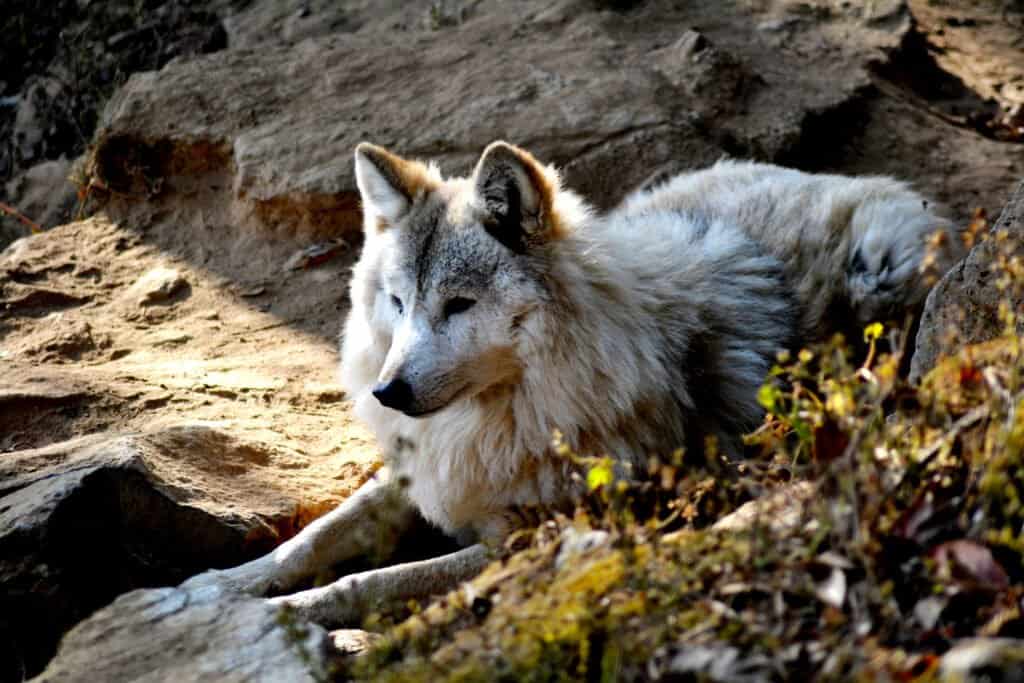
(395, 394)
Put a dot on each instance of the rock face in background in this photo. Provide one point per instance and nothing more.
(963, 308)
(614, 99)
(62, 60)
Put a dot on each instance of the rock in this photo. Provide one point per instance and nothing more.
(62, 340)
(963, 307)
(156, 286)
(314, 255)
(31, 124)
(286, 21)
(781, 511)
(63, 62)
(85, 520)
(580, 88)
(997, 660)
(717, 662)
(38, 414)
(171, 634)
(351, 642)
(29, 300)
(171, 338)
(44, 192)
(575, 543)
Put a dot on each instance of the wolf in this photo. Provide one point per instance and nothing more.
(489, 311)
(853, 248)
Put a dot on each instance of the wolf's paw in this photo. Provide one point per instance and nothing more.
(253, 578)
(340, 603)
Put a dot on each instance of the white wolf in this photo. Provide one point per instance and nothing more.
(489, 311)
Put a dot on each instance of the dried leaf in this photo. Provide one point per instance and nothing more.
(971, 561)
(928, 517)
(830, 441)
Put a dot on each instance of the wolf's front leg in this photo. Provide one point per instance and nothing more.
(350, 599)
(367, 522)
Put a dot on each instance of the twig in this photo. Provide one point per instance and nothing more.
(11, 211)
(927, 455)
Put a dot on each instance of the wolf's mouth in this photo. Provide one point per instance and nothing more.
(436, 409)
(424, 413)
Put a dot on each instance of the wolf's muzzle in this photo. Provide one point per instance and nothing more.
(396, 394)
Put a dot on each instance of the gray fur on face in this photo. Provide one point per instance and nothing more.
(444, 351)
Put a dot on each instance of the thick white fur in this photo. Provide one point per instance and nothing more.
(816, 224)
(603, 360)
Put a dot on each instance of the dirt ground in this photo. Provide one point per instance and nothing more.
(105, 329)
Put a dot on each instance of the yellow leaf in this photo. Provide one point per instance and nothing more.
(839, 404)
(599, 475)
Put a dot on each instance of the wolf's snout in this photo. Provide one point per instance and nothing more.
(395, 394)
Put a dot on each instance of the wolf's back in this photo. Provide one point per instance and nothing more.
(853, 248)
(709, 308)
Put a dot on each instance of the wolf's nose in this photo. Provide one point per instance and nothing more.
(395, 394)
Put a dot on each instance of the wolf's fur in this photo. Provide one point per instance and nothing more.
(631, 334)
(495, 309)
(849, 245)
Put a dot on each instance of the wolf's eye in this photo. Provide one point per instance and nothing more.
(397, 303)
(457, 305)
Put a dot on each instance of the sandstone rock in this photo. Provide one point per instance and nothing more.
(156, 286)
(171, 634)
(963, 307)
(581, 88)
(30, 300)
(86, 520)
(62, 340)
(38, 414)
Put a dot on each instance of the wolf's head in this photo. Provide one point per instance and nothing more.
(455, 270)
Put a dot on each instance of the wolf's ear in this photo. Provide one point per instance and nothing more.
(388, 183)
(515, 192)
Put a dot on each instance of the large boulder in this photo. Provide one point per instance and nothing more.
(963, 308)
(85, 520)
(171, 634)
